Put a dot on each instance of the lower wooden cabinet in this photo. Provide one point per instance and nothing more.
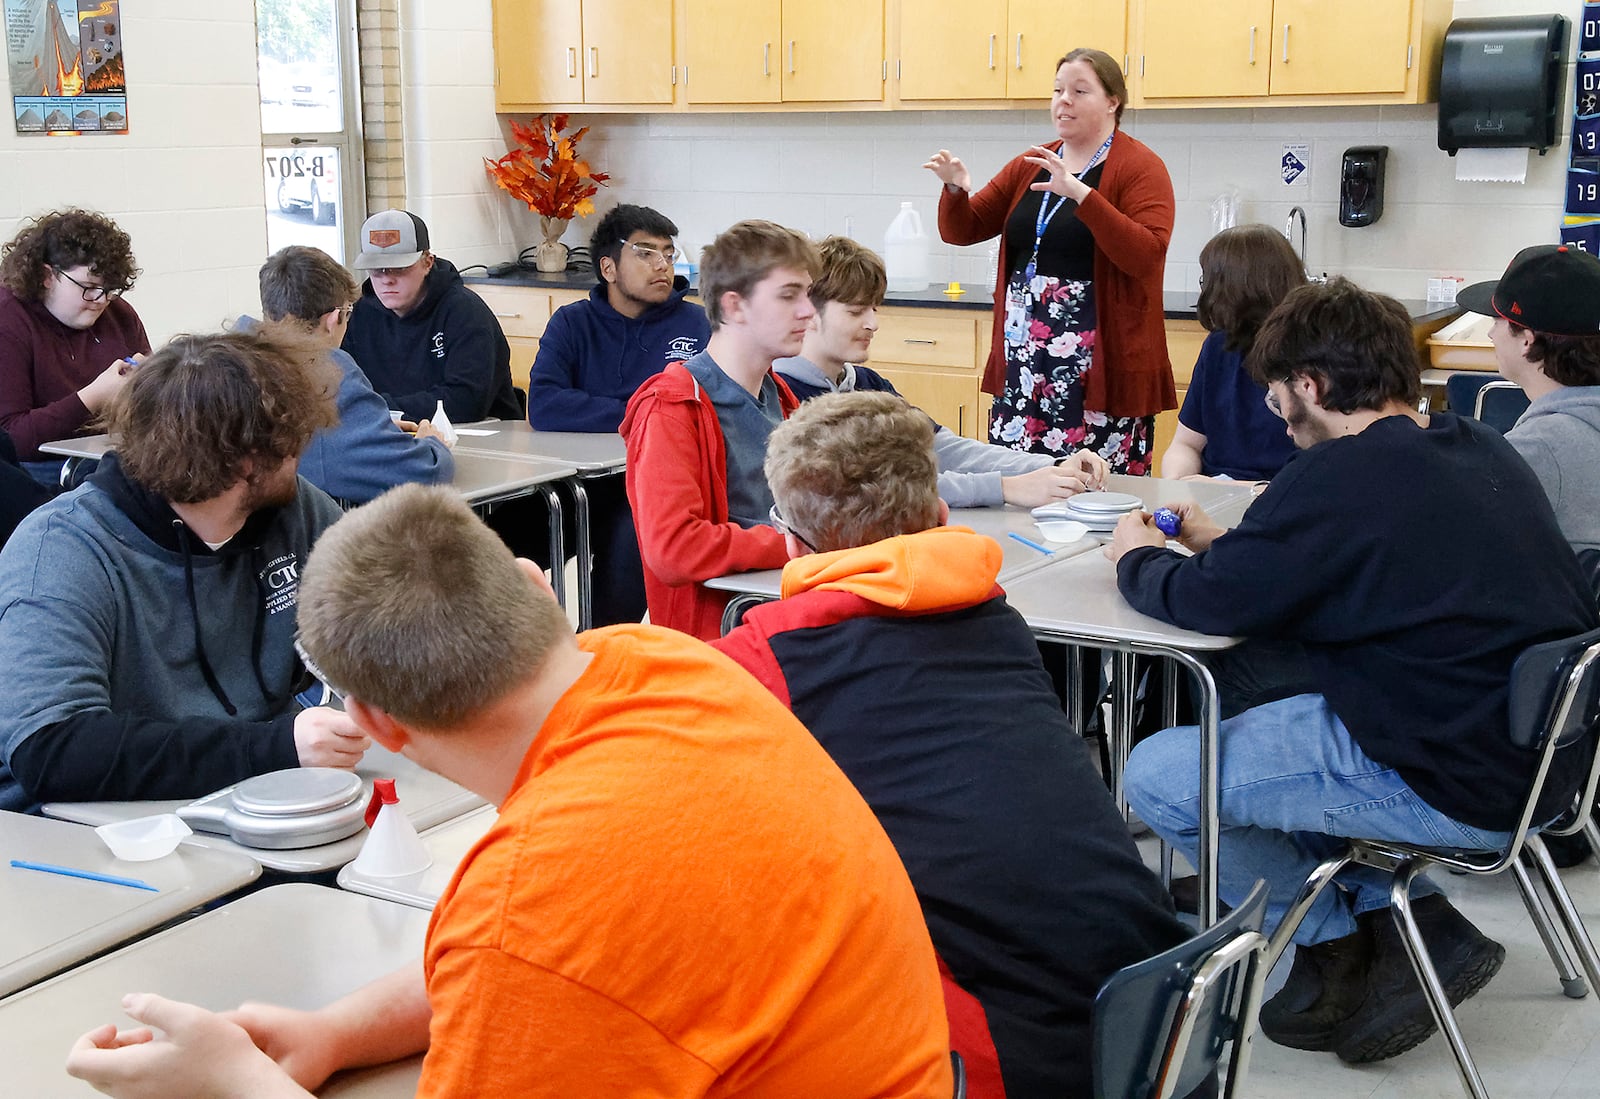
(935, 357)
(523, 312)
(1184, 338)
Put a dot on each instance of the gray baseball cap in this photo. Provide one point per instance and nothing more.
(391, 238)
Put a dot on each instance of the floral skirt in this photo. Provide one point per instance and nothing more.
(1050, 336)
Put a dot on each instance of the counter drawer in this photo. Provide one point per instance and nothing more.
(521, 310)
(927, 337)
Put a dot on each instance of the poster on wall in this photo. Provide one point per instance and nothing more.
(65, 58)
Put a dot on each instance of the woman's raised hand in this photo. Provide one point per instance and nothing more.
(948, 167)
(1061, 181)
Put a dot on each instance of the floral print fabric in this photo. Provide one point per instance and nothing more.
(1050, 338)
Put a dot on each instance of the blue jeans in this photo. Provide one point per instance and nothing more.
(1291, 779)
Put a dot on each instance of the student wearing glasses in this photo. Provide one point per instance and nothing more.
(68, 340)
(592, 357)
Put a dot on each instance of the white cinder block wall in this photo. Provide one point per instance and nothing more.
(185, 182)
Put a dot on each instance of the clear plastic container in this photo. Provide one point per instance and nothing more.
(144, 838)
(906, 252)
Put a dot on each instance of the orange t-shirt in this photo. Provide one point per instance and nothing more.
(683, 896)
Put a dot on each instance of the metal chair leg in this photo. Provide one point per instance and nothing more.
(1572, 985)
(1577, 933)
(1432, 988)
(1591, 832)
(1315, 884)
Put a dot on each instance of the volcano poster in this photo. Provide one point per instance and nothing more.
(65, 59)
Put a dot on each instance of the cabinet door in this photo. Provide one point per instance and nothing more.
(537, 44)
(1039, 32)
(733, 51)
(952, 49)
(832, 50)
(951, 399)
(627, 54)
(1320, 48)
(1218, 48)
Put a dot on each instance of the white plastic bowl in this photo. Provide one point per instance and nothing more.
(1061, 530)
(144, 838)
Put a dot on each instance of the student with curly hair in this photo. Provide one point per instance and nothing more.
(68, 339)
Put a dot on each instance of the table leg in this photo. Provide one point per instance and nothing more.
(1208, 705)
(580, 507)
(558, 545)
(1124, 695)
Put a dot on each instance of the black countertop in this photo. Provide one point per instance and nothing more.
(1176, 304)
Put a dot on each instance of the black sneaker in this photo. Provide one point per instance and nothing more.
(1326, 986)
(1395, 1016)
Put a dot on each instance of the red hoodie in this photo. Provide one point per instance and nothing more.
(677, 481)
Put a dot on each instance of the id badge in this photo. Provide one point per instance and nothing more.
(1017, 310)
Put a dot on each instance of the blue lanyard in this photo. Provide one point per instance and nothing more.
(1047, 211)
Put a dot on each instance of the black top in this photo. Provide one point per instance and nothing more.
(1067, 251)
(1415, 565)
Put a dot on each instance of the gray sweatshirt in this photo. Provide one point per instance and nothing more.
(1559, 436)
(969, 470)
(139, 662)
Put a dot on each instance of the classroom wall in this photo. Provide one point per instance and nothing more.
(185, 182)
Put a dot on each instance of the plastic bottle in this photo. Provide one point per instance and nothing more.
(905, 252)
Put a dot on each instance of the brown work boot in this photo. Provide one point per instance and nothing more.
(1396, 1016)
(1326, 986)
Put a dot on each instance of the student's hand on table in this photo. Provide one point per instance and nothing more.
(325, 737)
(426, 430)
(1061, 181)
(1199, 530)
(1043, 486)
(1133, 530)
(948, 167)
(301, 1043)
(1094, 468)
(201, 1054)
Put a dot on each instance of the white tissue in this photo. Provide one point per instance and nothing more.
(1492, 166)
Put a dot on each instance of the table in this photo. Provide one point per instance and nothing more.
(482, 477)
(448, 844)
(427, 799)
(1077, 602)
(593, 454)
(53, 922)
(298, 945)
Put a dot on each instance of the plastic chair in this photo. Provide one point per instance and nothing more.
(958, 1069)
(1492, 399)
(1554, 706)
(1161, 1025)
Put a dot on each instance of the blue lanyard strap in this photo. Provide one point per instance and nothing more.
(1047, 211)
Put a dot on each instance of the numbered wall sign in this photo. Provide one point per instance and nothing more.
(1581, 226)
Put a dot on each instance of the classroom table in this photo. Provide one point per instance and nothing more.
(481, 477)
(53, 922)
(592, 454)
(448, 844)
(427, 799)
(297, 945)
(1076, 602)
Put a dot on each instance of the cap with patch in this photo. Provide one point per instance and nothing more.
(392, 238)
(1547, 288)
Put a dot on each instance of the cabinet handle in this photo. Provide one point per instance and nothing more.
(885, 73)
(572, 62)
(594, 60)
(991, 50)
(1019, 51)
(766, 59)
(1408, 57)
(791, 56)
(961, 419)
(930, 343)
(897, 68)
(509, 316)
(1286, 43)
(1252, 45)
(674, 75)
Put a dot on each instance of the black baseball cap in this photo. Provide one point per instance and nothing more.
(1548, 288)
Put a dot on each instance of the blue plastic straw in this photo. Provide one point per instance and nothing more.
(1030, 543)
(88, 875)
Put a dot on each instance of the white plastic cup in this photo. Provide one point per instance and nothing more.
(144, 838)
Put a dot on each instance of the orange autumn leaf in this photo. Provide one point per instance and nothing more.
(544, 171)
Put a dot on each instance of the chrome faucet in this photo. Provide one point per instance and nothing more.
(1296, 212)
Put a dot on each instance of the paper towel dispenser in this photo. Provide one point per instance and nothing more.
(1500, 83)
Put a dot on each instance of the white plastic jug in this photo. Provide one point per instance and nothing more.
(905, 252)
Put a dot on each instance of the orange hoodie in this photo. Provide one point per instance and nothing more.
(941, 569)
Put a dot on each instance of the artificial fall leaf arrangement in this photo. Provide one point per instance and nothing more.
(545, 172)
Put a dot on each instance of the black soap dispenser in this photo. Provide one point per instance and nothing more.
(1361, 185)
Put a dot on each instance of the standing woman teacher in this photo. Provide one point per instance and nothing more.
(1079, 356)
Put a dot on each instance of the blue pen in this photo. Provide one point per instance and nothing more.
(88, 875)
(1030, 543)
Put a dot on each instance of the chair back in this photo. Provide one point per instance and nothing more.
(1555, 705)
(1589, 561)
(1161, 1025)
(1486, 397)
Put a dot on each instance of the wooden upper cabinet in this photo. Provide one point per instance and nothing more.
(952, 49)
(627, 51)
(1040, 32)
(832, 50)
(537, 47)
(1215, 48)
(1329, 49)
(733, 51)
